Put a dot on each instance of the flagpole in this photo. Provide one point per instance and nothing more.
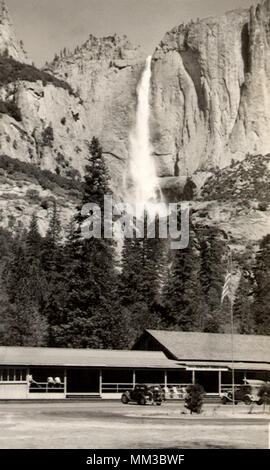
(232, 345)
(226, 292)
(232, 338)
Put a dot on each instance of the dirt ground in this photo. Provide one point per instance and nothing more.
(111, 425)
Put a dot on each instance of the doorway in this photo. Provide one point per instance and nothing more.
(83, 381)
(209, 380)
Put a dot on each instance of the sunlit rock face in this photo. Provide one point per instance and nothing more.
(8, 42)
(106, 72)
(210, 92)
(209, 100)
(48, 133)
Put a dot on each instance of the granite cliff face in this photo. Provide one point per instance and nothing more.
(8, 42)
(105, 72)
(51, 131)
(210, 92)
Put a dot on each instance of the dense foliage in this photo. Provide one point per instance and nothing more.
(12, 71)
(194, 398)
(45, 178)
(242, 182)
(10, 108)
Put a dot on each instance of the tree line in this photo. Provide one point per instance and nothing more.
(64, 290)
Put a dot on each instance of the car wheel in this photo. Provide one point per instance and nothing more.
(142, 401)
(247, 400)
(125, 399)
(158, 403)
(224, 400)
(259, 402)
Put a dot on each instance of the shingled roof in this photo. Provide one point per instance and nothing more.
(63, 357)
(188, 346)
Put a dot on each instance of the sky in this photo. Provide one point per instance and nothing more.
(46, 26)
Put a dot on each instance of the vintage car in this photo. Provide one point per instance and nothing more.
(144, 394)
(247, 393)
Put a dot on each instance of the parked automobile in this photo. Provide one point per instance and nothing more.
(245, 393)
(143, 394)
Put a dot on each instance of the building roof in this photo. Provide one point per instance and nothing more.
(22, 356)
(187, 346)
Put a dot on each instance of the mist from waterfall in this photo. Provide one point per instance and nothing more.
(143, 174)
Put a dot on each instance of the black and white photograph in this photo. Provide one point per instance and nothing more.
(134, 228)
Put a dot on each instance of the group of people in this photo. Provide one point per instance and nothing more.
(51, 383)
(173, 391)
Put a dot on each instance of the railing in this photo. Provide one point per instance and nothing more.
(175, 391)
(228, 387)
(116, 387)
(45, 387)
(172, 391)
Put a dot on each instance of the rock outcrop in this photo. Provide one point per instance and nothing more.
(9, 45)
(210, 92)
(105, 72)
(51, 131)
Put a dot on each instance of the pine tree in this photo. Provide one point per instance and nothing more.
(262, 288)
(243, 311)
(182, 290)
(25, 287)
(212, 273)
(24, 326)
(140, 281)
(51, 243)
(91, 291)
(56, 274)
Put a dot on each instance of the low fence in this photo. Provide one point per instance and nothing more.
(172, 391)
(45, 387)
(228, 387)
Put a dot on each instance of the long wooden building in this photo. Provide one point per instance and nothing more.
(172, 359)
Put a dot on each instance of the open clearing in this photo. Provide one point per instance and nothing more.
(111, 425)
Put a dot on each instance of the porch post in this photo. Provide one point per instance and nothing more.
(100, 381)
(65, 382)
(193, 377)
(134, 377)
(165, 378)
(27, 378)
(219, 382)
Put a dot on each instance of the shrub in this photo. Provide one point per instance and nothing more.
(194, 398)
(45, 178)
(263, 206)
(10, 108)
(264, 394)
(11, 71)
(48, 136)
(33, 195)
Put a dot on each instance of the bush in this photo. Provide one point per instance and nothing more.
(263, 206)
(48, 136)
(45, 178)
(264, 394)
(194, 398)
(33, 195)
(10, 108)
(11, 71)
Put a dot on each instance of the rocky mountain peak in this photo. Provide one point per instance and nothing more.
(104, 49)
(9, 44)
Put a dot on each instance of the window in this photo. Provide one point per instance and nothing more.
(12, 375)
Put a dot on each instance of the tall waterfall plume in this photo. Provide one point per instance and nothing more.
(142, 167)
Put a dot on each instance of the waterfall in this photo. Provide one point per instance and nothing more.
(142, 167)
